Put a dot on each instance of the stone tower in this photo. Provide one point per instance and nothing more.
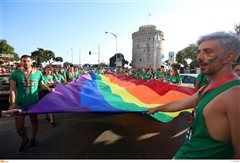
(147, 47)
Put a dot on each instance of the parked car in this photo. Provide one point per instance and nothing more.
(4, 91)
(188, 80)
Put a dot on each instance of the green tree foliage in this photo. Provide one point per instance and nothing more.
(237, 29)
(87, 65)
(188, 53)
(58, 59)
(176, 66)
(67, 64)
(42, 55)
(5, 48)
(16, 57)
(112, 60)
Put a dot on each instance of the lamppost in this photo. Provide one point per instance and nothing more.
(116, 44)
(79, 57)
(72, 54)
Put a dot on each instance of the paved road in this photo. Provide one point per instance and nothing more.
(97, 136)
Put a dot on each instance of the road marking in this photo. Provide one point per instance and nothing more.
(107, 137)
(179, 134)
(147, 136)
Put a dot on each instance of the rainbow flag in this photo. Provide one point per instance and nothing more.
(112, 93)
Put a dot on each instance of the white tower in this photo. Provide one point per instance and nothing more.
(147, 47)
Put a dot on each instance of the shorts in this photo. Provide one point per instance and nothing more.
(23, 107)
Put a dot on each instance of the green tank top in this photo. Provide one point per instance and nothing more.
(199, 145)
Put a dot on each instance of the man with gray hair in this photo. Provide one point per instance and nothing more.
(213, 131)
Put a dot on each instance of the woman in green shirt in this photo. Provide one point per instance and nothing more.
(50, 80)
(148, 75)
(175, 77)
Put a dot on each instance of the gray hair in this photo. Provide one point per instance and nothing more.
(228, 41)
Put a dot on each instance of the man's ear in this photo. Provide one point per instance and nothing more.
(230, 57)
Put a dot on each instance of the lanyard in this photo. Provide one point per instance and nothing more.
(202, 92)
(27, 78)
(215, 85)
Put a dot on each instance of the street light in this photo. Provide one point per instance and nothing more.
(116, 43)
(72, 54)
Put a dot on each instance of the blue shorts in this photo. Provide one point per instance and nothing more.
(24, 107)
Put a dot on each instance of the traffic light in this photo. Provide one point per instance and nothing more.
(90, 53)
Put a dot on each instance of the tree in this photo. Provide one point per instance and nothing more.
(42, 55)
(5, 48)
(237, 29)
(176, 66)
(112, 60)
(16, 57)
(67, 64)
(87, 65)
(188, 53)
(58, 59)
(39, 56)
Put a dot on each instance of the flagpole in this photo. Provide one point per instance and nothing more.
(148, 18)
(149, 14)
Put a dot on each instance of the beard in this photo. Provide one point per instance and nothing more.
(207, 68)
(26, 67)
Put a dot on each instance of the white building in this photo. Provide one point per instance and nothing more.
(147, 47)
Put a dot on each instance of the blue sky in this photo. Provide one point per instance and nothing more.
(62, 25)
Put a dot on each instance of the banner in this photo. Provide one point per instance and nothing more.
(112, 93)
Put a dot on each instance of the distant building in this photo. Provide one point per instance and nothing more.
(7, 57)
(147, 47)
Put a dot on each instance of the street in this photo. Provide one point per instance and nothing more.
(97, 136)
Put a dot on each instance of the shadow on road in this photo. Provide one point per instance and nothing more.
(97, 136)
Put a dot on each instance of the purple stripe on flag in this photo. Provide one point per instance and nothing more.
(65, 98)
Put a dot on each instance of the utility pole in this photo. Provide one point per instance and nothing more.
(79, 56)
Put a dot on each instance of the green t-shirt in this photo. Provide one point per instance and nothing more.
(175, 79)
(47, 80)
(76, 74)
(50, 78)
(159, 74)
(147, 76)
(138, 75)
(64, 74)
(23, 94)
(60, 77)
(71, 76)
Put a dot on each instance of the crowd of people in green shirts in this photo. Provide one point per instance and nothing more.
(52, 75)
(171, 76)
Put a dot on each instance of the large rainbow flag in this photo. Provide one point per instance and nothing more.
(112, 93)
